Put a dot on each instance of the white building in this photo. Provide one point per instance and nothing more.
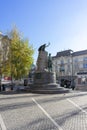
(70, 65)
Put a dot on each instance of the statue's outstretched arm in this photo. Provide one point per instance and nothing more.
(48, 44)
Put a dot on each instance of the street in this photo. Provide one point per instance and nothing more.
(27, 111)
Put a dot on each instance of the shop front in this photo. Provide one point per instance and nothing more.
(81, 81)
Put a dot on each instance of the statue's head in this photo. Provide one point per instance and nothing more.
(44, 45)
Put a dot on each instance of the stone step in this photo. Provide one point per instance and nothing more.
(49, 90)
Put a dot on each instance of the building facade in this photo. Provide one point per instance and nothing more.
(70, 66)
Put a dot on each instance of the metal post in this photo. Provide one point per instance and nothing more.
(0, 80)
(1, 36)
(72, 82)
(11, 65)
(72, 68)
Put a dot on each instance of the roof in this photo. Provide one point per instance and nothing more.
(64, 53)
(70, 52)
(77, 53)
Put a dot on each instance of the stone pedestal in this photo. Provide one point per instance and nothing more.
(44, 78)
(45, 83)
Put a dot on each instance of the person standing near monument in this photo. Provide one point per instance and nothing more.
(49, 63)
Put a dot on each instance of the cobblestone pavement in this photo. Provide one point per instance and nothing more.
(25, 111)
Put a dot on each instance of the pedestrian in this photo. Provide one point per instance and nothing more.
(73, 84)
(3, 87)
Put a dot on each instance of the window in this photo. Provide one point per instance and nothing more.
(68, 60)
(62, 62)
(84, 65)
(62, 69)
(85, 59)
(76, 60)
(85, 62)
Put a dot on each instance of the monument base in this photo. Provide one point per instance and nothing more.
(41, 78)
(45, 82)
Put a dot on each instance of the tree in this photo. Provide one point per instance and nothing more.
(20, 55)
(4, 51)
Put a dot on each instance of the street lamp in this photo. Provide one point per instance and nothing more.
(1, 36)
(72, 67)
(71, 55)
(72, 79)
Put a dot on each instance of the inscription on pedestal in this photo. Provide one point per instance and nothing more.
(37, 75)
(44, 78)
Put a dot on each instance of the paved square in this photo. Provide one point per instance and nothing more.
(26, 111)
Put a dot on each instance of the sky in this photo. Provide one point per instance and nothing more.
(63, 23)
